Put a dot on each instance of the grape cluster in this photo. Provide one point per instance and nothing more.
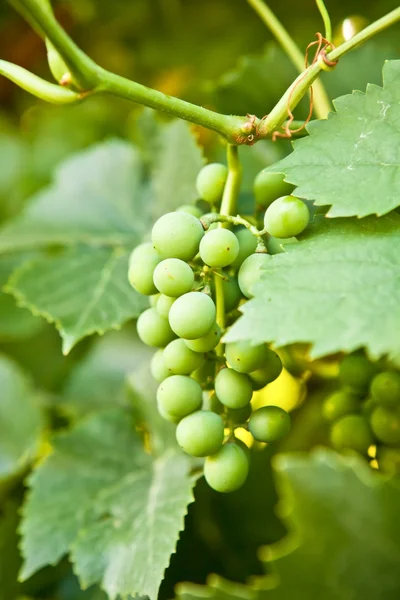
(365, 410)
(205, 387)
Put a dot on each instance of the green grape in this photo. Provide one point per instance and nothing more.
(153, 299)
(232, 293)
(158, 367)
(233, 389)
(178, 396)
(57, 65)
(247, 245)
(339, 404)
(269, 424)
(142, 263)
(240, 415)
(164, 304)
(389, 460)
(227, 470)
(205, 374)
(270, 186)
(180, 360)
(201, 433)
(352, 432)
(177, 235)
(285, 217)
(153, 329)
(368, 407)
(211, 402)
(268, 373)
(192, 315)
(385, 388)
(356, 372)
(219, 248)
(245, 358)
(207, 342)
(191, 209)
(244, 447)
(385, 424)
(173, 277)
(211, 181)
(251, 270)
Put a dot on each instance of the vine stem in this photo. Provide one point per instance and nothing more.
(326, 19)
(322, 105)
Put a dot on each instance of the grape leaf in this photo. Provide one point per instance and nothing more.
(20, 420)
(351, 161)
(81, 291)
(337, 288)
(100, 496)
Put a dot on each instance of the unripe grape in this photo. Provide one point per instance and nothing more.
(180, 360)
(192, 315)
(232, 293)
(178, 396)
(240, 415)
(269, 424)
(286, 217)
(227, 470)
(339, 404)
(251, 271)
(211, 402)
(153, 329)
(191, 209)
(356, 372)
(211, 181)
(177, 235)
(385, 424)
(173, 277)
(385, 388)
(233, 389)
(268, 373)
(244, 357)
(389, 460)
(207, 342)
(270, 186)
(142, 263)
(219, 248)
(201, 433)
(158, 367)
(164, 304)
(153, 299)
(247, 245)
(352, 432)
(205, 375)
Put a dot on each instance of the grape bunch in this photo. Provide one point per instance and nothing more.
(365, 411)
(193, 269)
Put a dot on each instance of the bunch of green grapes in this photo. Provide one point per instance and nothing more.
(191, 263)
(365, 411)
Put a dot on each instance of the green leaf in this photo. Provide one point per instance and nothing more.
(114, 507)
(9, 555)
(20, 420)
(351, 161)
(338, 289)
(83, 291)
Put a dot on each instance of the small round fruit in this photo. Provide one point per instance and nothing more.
(164, 304)
(269, 424)
(227, 470)
(389, 460)
(339, 404)
(177, 235)
(356, 372)
(180, 360)
(385, 424)
(244, 357)
(142, 263)
(211, 181)
(385, 388)
(251, 271)
(270, 186)
(352, 432)
(247, 245)
(178, 396)
(191, 209)
(211, 402)
(158, 367)
(285, 217)
(173, 277)
(232, 293)
(219, 247)
(201, 433)
(153, 329)
(233, 389)
(192, 315)
(154, 299)
(205, 375)
(240, 415)
(268, 373)
(207, 342)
